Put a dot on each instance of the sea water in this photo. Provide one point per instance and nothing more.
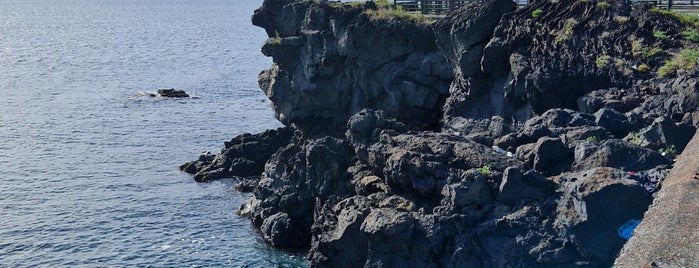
(88, 160)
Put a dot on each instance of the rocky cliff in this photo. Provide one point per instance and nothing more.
(495, 137)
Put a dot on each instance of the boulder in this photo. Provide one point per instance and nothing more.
(551, 156)
(594, 204)
(664, 134)
(616, 122)
(617, 154)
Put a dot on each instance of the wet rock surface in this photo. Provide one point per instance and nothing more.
(491, 138)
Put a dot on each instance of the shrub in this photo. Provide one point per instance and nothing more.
(643, 68)
(602, 5)
(537, 13)
(634, 138)
(686, 59)
(668, 151)
(681, 17)
(345, 4)
(592, 139)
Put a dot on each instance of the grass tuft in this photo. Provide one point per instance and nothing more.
(602, 61)
(661, 35)
(277, 39)
(537, 13)
(485, 170)
(691, 35)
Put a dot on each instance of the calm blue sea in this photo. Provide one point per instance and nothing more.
(88, 162)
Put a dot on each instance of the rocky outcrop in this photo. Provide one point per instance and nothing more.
(330, 62)
(495, 137)
(243, 156)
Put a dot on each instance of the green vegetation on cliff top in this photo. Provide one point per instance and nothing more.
(385, 12)
(686, 59)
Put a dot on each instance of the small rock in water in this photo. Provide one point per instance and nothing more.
(172, 93)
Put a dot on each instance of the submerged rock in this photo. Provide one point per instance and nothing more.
(172, 93)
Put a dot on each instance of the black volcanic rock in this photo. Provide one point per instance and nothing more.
(172, 93)
(329, 63)
(595, 203)
(492, 138)
(243, 156)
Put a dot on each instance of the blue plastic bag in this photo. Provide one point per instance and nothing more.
(626, 230)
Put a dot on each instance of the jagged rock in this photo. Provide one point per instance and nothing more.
(243, 156)
(247, 185)
(548, 155)
(422, 163)
(663, 133)
(616, 99)
(395, 240)
(618, 154)
(594, 204)
(516, 187)
(560, 118)
(462, 36)
(337, 239)
(574, 135)
(294, 178)
(367, 185)
(279, 232)
(204, 159)
(472, 189)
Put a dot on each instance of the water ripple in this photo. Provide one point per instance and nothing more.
(89, 160)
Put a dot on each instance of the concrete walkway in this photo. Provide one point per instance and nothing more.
(668, 236)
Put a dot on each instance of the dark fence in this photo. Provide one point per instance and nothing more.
(442, 7)
(436, 7)
(682, 5)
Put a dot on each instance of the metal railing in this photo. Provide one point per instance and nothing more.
(437, 7)
(672, 4)
(442, 7)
